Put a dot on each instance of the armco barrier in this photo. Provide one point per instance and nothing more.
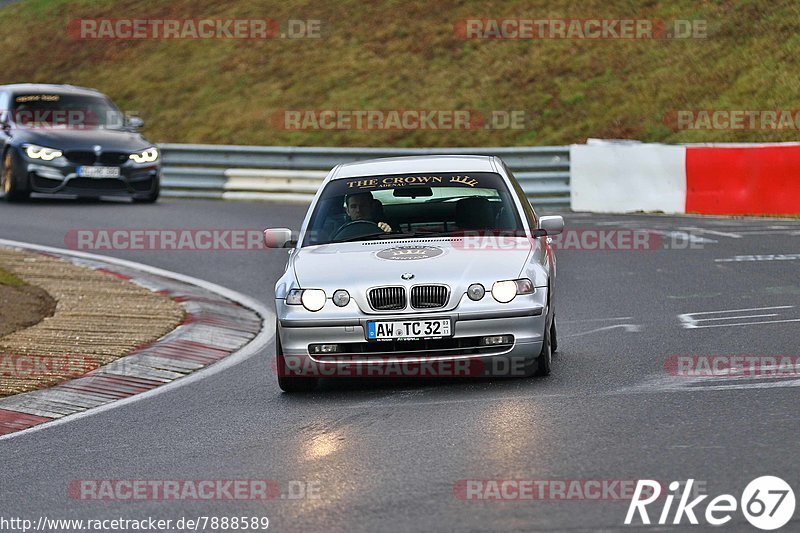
(294, 173)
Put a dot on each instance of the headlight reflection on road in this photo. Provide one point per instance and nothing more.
(322, 445)
(512, 428)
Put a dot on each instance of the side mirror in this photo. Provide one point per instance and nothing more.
(135, 122)
(278, 238)
(551, 225)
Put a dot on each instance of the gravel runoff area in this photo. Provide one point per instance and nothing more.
(98, 318)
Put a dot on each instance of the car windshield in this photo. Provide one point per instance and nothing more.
(65, 111)
(412, 205)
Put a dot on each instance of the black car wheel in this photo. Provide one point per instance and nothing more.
(545, 358)
(9, 186)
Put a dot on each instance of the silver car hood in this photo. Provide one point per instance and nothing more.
(359, 266)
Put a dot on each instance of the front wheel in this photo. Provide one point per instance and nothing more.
(545, 359)
(11, 190)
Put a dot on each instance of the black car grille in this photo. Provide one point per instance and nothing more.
(387, 298)
(81, 157)
(428, 296)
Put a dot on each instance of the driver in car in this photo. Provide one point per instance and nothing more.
(361, 206)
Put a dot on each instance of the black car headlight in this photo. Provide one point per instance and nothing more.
(41, 152)
(145, 156)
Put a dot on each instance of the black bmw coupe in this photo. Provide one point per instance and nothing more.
(66, 140)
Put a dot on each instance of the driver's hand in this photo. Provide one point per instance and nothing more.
(385, 227)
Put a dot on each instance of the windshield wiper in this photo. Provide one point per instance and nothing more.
(373, 236)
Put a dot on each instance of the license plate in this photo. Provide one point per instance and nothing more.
(409, 329)
(98, 172)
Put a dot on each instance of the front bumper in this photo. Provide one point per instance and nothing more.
(461, 355)
(60, 177)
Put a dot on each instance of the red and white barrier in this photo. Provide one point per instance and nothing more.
(614, 177)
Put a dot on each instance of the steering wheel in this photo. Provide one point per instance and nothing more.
(356, 228)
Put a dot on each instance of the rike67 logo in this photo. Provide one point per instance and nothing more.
(767, 503)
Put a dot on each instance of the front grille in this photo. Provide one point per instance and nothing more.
(82, 157)
(428, 296)
(113, 158)
(387, 298)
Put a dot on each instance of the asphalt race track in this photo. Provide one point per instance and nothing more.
(386, 455)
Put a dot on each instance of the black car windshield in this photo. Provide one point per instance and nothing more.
(65, 111)
(412, 205)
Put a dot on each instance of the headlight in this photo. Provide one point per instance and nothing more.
(40, 152)
(505, 291)
(311, 299)
(145, 156)
(341, 298)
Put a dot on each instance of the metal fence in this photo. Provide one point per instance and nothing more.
(294, 173)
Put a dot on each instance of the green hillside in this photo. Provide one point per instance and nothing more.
(406, 55)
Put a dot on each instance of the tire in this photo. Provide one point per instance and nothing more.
(290, 383)
(8, 185)
(553, 336)
(545, 359)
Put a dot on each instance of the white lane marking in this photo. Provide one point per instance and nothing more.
(259, 342)
(595, 320)
(750, 323)
(768, 257)
(682, 236)
(709, 383)
(783, 231)
(735, 317)
(690, 320)
(741, 310)
(713, 232)
(629, 328)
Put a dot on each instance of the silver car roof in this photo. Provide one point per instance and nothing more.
(415, 165)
